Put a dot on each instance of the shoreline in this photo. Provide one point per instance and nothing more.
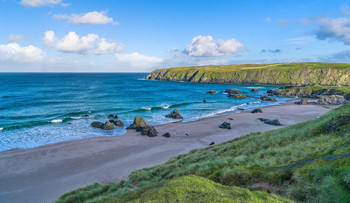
(44, 173)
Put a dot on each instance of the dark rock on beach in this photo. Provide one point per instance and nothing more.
(139, 122)
(174, 114)
(96, 124)
(234, 91)
(212, 143)
(211, 92)
(254, 90)
(108, 126)
(267, 98)
(256, 111)
(275, 122)
(225, 125)
(150, 131)
(167, 135)
(302, 102)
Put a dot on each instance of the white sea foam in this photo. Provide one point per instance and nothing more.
(165, 106)
(147, 108)
(56, 121)
(1, 129)
(75, 117)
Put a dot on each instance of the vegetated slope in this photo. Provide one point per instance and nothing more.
(306, 162)
(331, 74)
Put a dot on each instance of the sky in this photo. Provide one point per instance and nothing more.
(144, 35)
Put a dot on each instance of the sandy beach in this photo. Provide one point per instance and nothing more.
(44, 173)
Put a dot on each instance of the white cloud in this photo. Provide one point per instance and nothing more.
(16, 38)
(205, 46)
(338, 29)
(93, 17)
(15, 53)
(40, 3)
(140, 61)
(89, 44)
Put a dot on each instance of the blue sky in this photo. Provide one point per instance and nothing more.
(140, 36)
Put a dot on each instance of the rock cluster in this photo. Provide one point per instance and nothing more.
(302, 102)
(237, 96)
(332, 99)
(140, 125)
(267, 98)
(234, 91)
(254, 90)
(174, 114)
(167, 135)
(270, 122)
(109, 125)
(225, 125)
(211, 92)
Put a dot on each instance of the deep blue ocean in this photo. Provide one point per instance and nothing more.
(37, 108)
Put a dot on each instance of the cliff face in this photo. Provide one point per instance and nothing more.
(275, 74)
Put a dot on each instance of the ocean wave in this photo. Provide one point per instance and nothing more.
(1, 129)
(165, 106)
(56, 121)
(75, 118)
(162, 107)
(147, 108)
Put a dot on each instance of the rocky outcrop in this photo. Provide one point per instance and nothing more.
(118, 123)
(254, 90)
(211, 92)
(302, 102)
(332, 99)
(256, 111)
(148, 130)
(234, 91)
(237, 96)
(270, 122)
(108, 126)
(174, 114)
(304, 92)
(267, 98)
(266, 74)
(225, 125)
(96, 124)
(139, 122)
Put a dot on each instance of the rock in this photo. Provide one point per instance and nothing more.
(241, 109)
(85, 116)
(139, 122)
(254, 90)
(211, 92)
(187, 134)
(115, 117)
(167, 135)
(252, 97)
(347, 97)
(267, 98)
(150, 131)
(212, 143)
(225, 125)
(332, 99)
(230, 119)
(270, 122)
(96, 124)
(69, 123)
(302, 102)
(110, 116)
(333, 92)
(237, 96)
(257, 111)
(174, 114)
(234, 91)
(108, 126)
(204, 100)
(118, 123)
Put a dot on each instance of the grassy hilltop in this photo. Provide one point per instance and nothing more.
(305, 162)
(326, 74)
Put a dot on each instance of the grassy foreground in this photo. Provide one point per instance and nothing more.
(306, 162)
(331, 74)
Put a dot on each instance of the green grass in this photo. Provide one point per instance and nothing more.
(273, 74)
(306, 162)
(317, 88)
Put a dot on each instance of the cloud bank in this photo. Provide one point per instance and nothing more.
(41, 3)
(15, 53)
(94, 18)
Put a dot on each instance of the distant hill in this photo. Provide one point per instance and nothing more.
(325, 74)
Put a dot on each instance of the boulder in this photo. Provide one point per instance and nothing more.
(234, 91)
(212, 143)
(211, 92)
(85, 116)
(332, 99)
(347, 97)
(108, 126)
(118, 123)
(167, 135)
(225, 125)
(174, 114)
(254, 90)
(270, 122)
(115, 117)
(204, 100)
(139, 122)
(237, 96)
(150, 131)
(96, 124)
(302, 102)
(256, 111)
(110, 116)
(267, 98)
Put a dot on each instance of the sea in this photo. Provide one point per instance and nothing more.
(45, 108)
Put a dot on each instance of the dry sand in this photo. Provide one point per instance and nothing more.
(44, 173)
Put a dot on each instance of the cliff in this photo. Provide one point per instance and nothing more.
(326, 74)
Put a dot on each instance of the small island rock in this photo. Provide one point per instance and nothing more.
(139, 122)
(211, 92)
(108, 126)
(96, 124)
(267, 98)
(174, 114)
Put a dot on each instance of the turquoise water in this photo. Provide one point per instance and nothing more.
(36, 108)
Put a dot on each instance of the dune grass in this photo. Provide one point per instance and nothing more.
(306, 162)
